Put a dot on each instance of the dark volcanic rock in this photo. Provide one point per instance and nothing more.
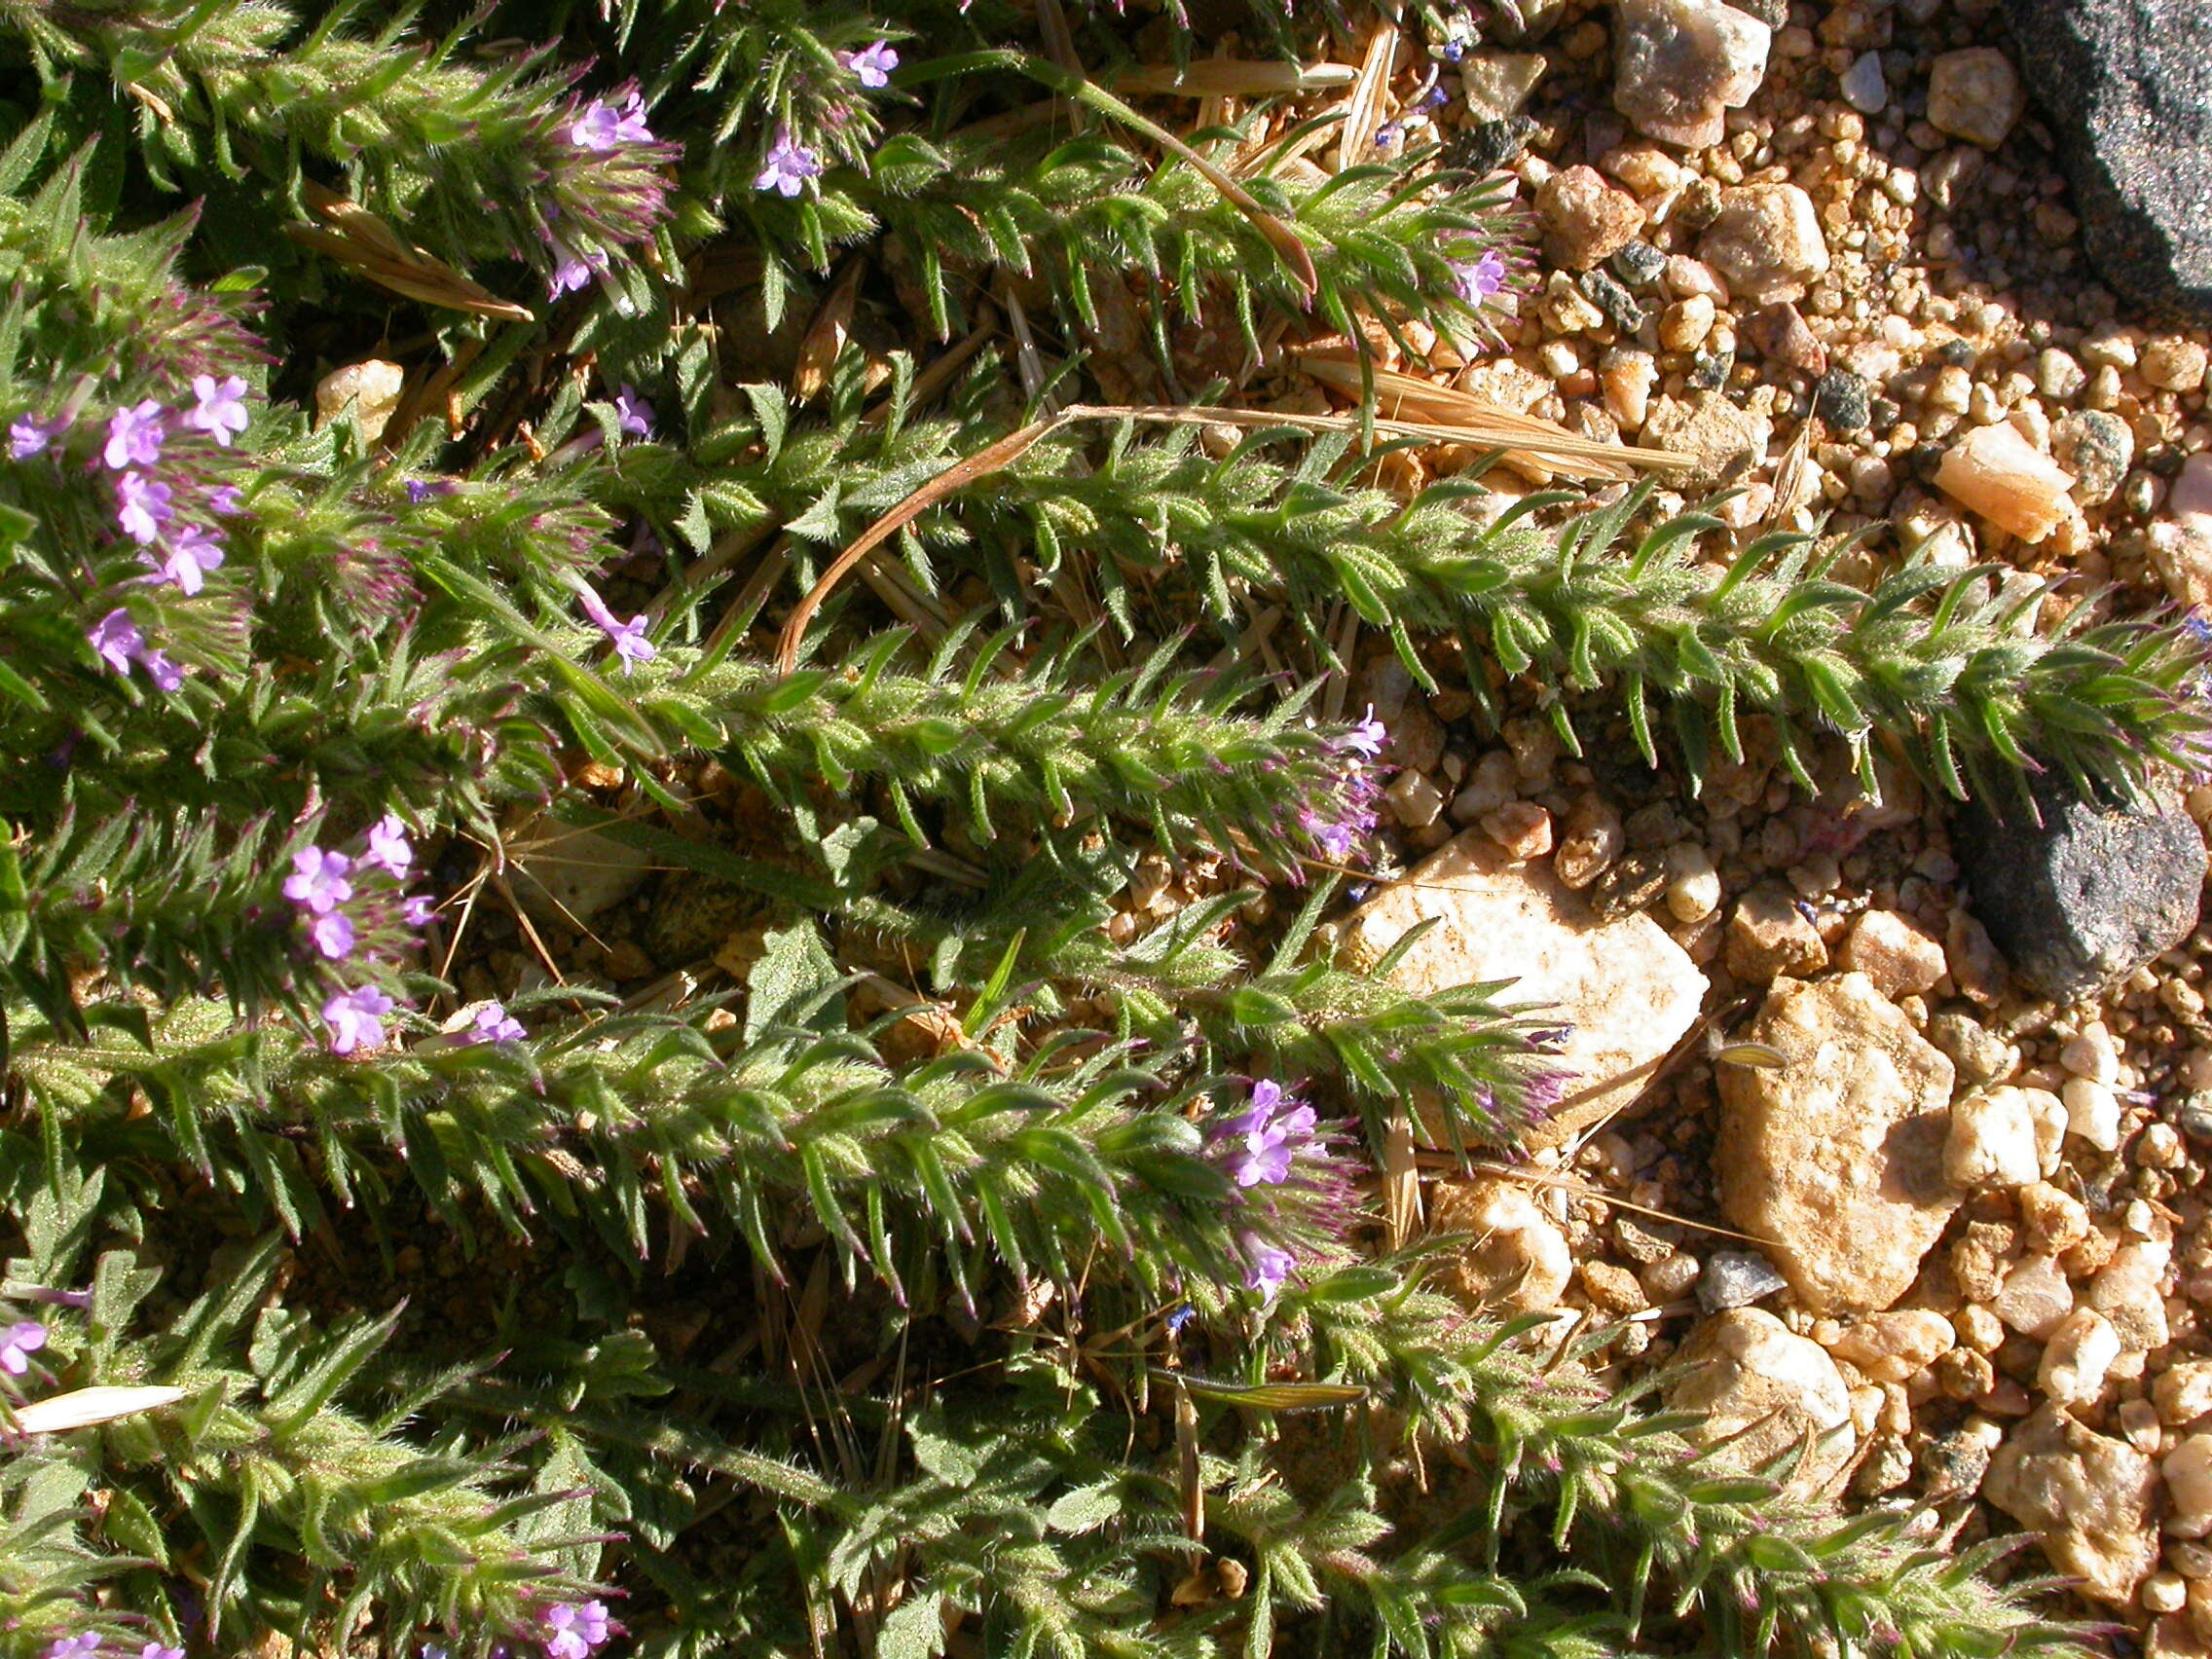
(2088, 896)
(2127, 85)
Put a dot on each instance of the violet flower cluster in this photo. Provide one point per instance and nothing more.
(608, 189)
(88, 1643)
(351, 908)
(789, 164)
(1275, 1142)
(165, 506)
(1340, 820)
(573, 1632)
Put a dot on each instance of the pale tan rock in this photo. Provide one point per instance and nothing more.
(1992, 1140)
(2078, 1358)
(1679, 66)
(1518, 1259)
(1974, 94)
(2093, 1498)
(1709, 428)
(565, 876)
(2128, 1291)
(2006, 480)
(1766, 242)
(2036, 1296)
(2187, 1469)
(2174, 363)
(370, 389)
(1769, 938)
(2183, 1393)
(1497, 84)
(1901, 956)
(1522, 829)
(1836, 1156)
(1625, 990)
(1889, 1347)
(1585, 220)
(1750, 1378)
(1593, 837)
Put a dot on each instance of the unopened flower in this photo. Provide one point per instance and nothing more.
(189, 557)
(602, 128)
(1388, 135)
(628, 638)
(355, 1018)
(495, 1024)
(134, 436)
(1477, 279)
(117, 640)
(17, 1343)
(220, 412)
(318, 882)
(1265, 1266)
(790, 165)
(389, 847)
(633, 414)
(332, 935)
(571, 1632)
(28, 437)
(872, 66)
(141, 506)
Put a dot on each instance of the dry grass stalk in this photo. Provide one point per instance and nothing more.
(360, 241)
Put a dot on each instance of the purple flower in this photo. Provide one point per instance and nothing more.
(333, 935)
(317, 881)
(17, 1343)
(628, 638)
(134, 436)
(73, 1647)
(389, 847)
(1272, 1132)
(190, 557)
(225, 500)
(602, 128)
(418, 492)
(141, 506)
(872, 66)
(221, 410)
(570, 275)
(1476, 280)
(166, 674)
(1388, 135)
(355, 1018)
(1365, 739)
(155, 1650)
(495, 1024)
(117, 640)
(633, 414)
(571, 1632)
(28, 437)
(1265, 1266)
(418, 911)
(790, 166)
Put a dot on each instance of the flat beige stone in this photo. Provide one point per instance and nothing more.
(1627, 992)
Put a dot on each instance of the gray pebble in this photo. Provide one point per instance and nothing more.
(1638, 264)
(2196, 1116)
(2096, 448)
(1709, 371)
(1736, 1278)
(1489, 145)
(1615, 301)
(1841, 399)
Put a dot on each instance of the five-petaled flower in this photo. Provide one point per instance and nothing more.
(17, 1343)
(788, 166)
(871, 66)
(633, 414)
(318, 882)
(1265, 1266)
(389, 849)
(117, 640)
(628, 638)
(495, 1024)
(333, 934)
(1365, 739)
(189, 557)
(355, 1018)
(603, 128)
(141, 506)
(573, 1632)
(134, 436)
(28, 437)
(220, 412)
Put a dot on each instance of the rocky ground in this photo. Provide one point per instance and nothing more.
(1898, 1119)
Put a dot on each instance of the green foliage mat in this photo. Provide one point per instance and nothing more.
(957, 1268)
